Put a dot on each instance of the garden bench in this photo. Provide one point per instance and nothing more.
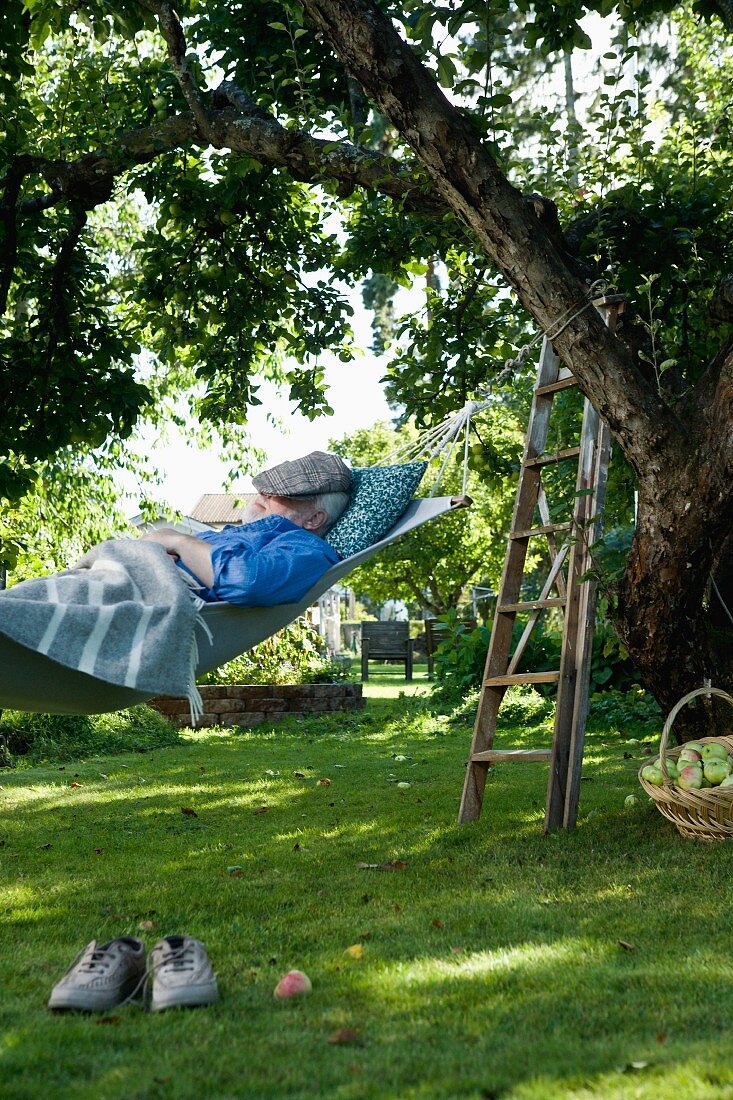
(435, 633)
(386, 642)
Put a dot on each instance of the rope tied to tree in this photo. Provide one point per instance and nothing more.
(442, 438)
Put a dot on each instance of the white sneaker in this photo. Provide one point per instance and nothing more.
(102, 976)
(181, 974)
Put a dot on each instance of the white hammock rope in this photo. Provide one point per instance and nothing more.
(441, 439)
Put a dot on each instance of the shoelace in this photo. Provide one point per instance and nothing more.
(98, 960)
(175, 959)
(180, 960)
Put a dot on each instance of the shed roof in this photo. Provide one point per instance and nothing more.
(221, 508)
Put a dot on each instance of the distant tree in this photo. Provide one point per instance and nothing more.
(434, 566)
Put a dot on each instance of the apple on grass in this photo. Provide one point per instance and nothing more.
(293, 984)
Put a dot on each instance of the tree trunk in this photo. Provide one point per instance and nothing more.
(661, 612)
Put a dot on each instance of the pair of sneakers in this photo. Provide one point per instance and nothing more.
(102, 976)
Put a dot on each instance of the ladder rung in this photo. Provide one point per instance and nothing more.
(531, 605)
(553, 387)
(522, 756)
(557, 456)
(523, 678)
(548, 529)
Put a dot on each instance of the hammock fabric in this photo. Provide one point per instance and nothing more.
(30, 681)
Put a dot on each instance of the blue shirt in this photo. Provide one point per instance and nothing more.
(264, 563)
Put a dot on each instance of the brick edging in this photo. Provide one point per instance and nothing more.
(249, 704)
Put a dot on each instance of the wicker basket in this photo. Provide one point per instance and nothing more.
(706, 814)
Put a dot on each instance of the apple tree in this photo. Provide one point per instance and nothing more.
(173, 179)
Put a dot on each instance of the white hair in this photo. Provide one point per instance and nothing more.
(333, 504)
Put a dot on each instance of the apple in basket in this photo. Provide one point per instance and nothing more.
(672, 770)
(690, 754)
(653, 774)
(713, 750)
(716, 771)
(728, 781)
(690, 778)
(696, 746)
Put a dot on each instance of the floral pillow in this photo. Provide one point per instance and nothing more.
(379, 496)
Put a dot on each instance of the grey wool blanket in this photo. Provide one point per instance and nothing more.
(123, 613)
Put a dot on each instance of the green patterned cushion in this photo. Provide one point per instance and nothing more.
(379, 496)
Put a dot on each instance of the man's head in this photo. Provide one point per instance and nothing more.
(317, 514)
(311, 491)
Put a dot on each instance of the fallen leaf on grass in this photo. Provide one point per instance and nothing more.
(661, 1037)
(393, 865)
(146, 925)
(188, 812)
(46, 845)
(235, 871)
(457, 950)
(74, 783)
(626, 946)
(324, 782)
(108, 1020)
(261, 809)
(356, 951)
(346, 1037)
(634, 1067)
(299, 775)
(103, 776)
(437, 923)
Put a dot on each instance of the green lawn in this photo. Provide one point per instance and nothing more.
(493, 962)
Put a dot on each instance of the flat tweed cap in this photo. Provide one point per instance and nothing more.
(315, 473)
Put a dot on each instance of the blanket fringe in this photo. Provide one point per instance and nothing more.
(193, 695)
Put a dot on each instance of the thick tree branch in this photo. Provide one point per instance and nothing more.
(176, 45)
(473, 186)
(245, 129)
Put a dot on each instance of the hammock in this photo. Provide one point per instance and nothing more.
(30, 681)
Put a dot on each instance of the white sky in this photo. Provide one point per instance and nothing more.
(355, 394)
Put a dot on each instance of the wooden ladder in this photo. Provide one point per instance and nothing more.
(570, 561)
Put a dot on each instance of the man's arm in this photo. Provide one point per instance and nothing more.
(194, 553)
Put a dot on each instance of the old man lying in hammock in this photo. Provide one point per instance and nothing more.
(279, 552)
